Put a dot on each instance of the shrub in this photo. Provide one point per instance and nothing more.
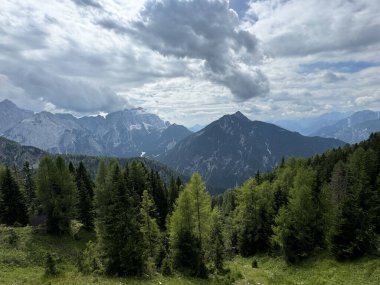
(254, 264)
(10, 237)
(75, 228)
(51, 265)
(90, 262)
(166, 268)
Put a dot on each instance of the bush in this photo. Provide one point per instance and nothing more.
(10, 237)
(229, 277)
(166, 268)
(75, 228)
(254, 264)
(90, 262)
(51, 265)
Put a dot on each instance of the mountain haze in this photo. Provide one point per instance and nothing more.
(354, 128)
(308, 126)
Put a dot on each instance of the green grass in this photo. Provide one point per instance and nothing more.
(323, 270)
(22, 262)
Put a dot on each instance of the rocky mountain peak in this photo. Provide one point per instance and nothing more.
(239, 115)
(7, 103)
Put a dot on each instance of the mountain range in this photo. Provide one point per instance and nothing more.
(309, 125)
(230, 150)
(349, 127)
(225, 152)
(126, 133)
(12, 153)
(354, 128)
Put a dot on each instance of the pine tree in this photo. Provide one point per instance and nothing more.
(12, 205)
(149, 229)
(202, 204)
(245, 218)
(85, 195)
(158, 193)
(71, 168)
(338, 183)
(216, 250)
(117, 227)
(184, 245)
(258, 177)
(295, 229)
(189, 228)
(56, 190)
(354, 233)
(254, 217)
(29, 187)
(376, 206)
(137, 177)
(172, 194)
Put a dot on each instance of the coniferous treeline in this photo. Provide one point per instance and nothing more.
(330, 202)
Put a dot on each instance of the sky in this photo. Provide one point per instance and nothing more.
(191, 61)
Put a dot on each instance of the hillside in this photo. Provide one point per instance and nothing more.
(233, 148)
(12, 153)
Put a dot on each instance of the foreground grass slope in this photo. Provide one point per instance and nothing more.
(23, 250)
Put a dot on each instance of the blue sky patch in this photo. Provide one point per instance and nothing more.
(240, 6)
(342, 66)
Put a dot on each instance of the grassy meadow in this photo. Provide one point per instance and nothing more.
(23, 254)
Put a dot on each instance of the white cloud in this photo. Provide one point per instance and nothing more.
(190, 61)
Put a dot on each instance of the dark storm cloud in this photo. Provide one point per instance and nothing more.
(205, 30)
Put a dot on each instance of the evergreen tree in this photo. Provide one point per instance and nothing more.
(202, 204)
(137, 178)
(295, 230)
(85, 195)
(56, 190)
(245, 218)
(72, 168)
(258, 177)
(12, 205)
(149, 229)
(29, 187)
(254, 217)
(179, 183)
(159, 195)
(173, 193)
(189, 228)
(354, 230)
(338, 183)
(117, 227)
(184, 244)
(216, 250)
(228, 202)
(375, 207)
(100, 195)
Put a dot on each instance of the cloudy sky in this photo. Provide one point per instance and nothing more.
(191, 61)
